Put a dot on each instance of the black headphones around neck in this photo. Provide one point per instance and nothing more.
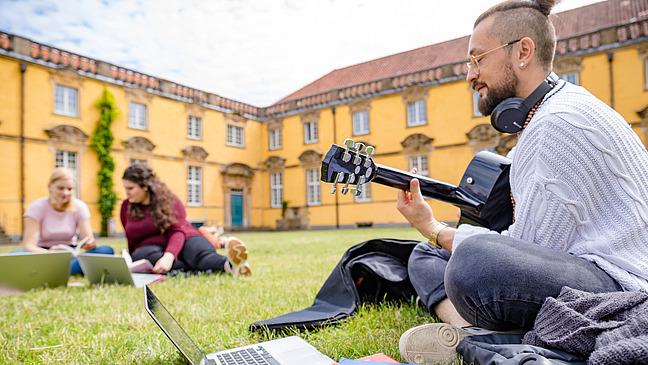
(510, 114)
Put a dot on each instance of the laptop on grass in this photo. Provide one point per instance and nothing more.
(291, 350)
(20, 272)
(107, 269)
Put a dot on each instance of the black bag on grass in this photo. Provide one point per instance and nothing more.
(368, 272)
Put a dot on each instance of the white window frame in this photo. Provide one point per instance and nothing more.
(416, 113)
(365, 194)
(313, 187)
(194, 186)
(137, 116)
(361, 123)
(421, 163)
(194, 128)
(69, 160)
(66, 101)
(275, 139)
(235, 136)
(571, 77)
(276, 189)
(310, 133)
(475, 104)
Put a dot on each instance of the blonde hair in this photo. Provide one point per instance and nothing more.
(62, 173)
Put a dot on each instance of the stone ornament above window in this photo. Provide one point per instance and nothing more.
(310, 157)
(415, 93)
(195, 110)
(138, 144)
(195, 153)
(360, 105)
(417, 142)
(235, 119)
(275, 123)
(310, 117)
(66, 134)
(275, 163)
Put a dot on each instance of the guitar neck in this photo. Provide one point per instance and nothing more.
(430, 188)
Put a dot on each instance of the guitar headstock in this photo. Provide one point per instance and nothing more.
(350, 165)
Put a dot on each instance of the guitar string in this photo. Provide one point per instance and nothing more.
(528, 119)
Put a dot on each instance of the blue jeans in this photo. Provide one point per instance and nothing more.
(498, 282)
(75, 267)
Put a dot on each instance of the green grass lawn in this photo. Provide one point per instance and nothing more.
(108, 325)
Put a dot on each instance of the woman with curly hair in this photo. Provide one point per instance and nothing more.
(156, 228)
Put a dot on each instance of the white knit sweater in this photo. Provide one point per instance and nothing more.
(579, 177)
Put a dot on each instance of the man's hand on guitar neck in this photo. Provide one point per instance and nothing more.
(418, 212)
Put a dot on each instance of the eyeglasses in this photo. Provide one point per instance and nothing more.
(474, 60)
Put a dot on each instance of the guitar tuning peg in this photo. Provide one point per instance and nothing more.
(359, 148)
(345, 188)
(349, 144)
(338, 177)
(370, 150)
(356, 190)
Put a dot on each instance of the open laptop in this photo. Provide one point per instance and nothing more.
(291, 350)
(108, 269)
(20, 272)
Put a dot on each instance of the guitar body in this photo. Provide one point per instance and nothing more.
(483, 195)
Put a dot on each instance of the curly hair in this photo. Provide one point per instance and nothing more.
(516, 19)
(161, 208)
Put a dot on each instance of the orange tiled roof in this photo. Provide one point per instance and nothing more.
(568, 23)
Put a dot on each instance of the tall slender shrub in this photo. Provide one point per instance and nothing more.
(102, 140)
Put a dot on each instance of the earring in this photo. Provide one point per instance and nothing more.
(522, 64)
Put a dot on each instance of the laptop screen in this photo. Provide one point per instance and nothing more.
(172, 329)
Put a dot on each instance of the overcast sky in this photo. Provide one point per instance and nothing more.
(253, 51)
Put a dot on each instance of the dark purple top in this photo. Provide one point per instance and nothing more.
(143, 232)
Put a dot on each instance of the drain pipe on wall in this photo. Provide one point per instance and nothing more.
(337, 203)
(23, 68)
(610, 57)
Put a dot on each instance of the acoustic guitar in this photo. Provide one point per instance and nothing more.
(483, 195)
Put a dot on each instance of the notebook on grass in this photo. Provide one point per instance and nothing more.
(291, 350)
(108, 269)
(20, 272)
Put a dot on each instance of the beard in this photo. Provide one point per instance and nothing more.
(507, 88)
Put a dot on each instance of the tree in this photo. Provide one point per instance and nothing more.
(102, 140)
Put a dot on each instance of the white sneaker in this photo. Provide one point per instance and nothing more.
(237, 255)
(431, 343)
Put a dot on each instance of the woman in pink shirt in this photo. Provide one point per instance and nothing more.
(156, 228)
(53, 221)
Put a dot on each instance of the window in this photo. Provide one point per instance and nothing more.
(313, 184)
(276, 190)
(194, 186)
(360, 123)
(571, 78)
(235, 136)
(421, 164)
(137, 116)
(310, 132)
(66, 101)
(194, 128)
(475, 99)
(275, 139)
(416, 113)
(365, 194)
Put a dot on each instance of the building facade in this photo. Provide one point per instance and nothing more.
(259, 168)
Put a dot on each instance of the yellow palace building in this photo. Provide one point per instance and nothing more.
(251, 167)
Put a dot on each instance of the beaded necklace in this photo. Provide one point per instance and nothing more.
(526, 122)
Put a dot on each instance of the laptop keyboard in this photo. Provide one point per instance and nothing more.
(248, 356)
